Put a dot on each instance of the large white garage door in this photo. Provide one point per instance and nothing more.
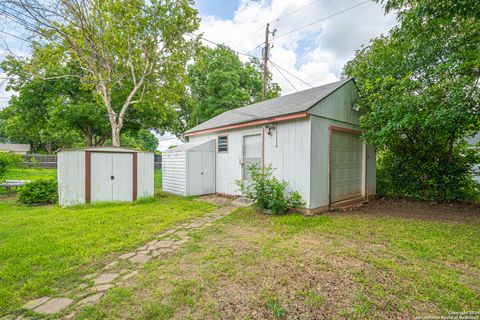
(347, 150)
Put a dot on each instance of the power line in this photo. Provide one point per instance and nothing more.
(312, 23)
(285, 77)
(274, 20)
(217, 44)
(291, 74)
(296, 10)
(240, 42)
(323, 19)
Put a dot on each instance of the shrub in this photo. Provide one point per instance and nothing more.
(401, 175)
(42, 191)
(267, 192)
(7, 161)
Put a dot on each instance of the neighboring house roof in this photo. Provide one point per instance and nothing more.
(293, 103)
(11, 147)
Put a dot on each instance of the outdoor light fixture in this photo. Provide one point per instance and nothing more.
(270, 128)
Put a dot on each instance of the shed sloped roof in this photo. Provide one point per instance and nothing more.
(292, 103)
(190, 146)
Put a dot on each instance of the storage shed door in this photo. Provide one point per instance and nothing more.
(111, 176)
(346, 166)
(201, 173)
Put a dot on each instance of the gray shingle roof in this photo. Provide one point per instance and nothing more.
(292, 103)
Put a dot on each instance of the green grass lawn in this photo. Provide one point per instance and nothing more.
(30, 174)
(47, 250)
(347, 266)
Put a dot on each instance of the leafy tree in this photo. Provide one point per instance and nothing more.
(142, 139)
(419, 94)
(219, 81)
(55, 110)
(133, 52)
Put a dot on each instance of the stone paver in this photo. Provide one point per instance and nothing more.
(53, 306)
(165, 244)
(32, 304)
(181, 233)
(91, 299)
(140, 258)
(127, 255)
(180, 242)
(110, 265)
(130, 275)
(102, 287)
(103, 282)
(89, 276)
(105, 278)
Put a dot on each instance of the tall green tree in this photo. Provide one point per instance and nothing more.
(219, 81)
(133, 52)
(419, 93)
(55, 110)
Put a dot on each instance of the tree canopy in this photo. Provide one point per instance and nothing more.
(133, 52)
(419, 93)
(218, 81)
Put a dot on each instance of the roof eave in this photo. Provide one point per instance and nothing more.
(292, 116)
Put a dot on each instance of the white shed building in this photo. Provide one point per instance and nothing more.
(311, 138)
(189, 169)
(104, 174)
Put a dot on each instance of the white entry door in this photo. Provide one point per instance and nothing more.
(111, 177)
(252, 153)
(346, 175)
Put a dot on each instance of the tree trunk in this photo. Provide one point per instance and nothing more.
(116, 135)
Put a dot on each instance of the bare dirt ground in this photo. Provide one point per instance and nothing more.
(385, 207)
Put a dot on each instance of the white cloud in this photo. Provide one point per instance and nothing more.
(315, 54)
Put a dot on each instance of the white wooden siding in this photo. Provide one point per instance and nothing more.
(338, 105)
(371, 170)
(321, 158)
(174, 169)
(286, 149)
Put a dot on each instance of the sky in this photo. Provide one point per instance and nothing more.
(315, 54)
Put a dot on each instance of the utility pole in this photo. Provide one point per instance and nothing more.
(265, 63)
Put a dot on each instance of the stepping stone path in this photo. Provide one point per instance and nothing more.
(165, 243)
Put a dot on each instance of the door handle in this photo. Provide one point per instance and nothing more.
(112, 177)
(202, 172)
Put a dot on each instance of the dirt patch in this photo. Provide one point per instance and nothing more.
(384, 207)
(216, 199)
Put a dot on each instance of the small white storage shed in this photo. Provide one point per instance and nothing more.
(189, 169)
(104, 174)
